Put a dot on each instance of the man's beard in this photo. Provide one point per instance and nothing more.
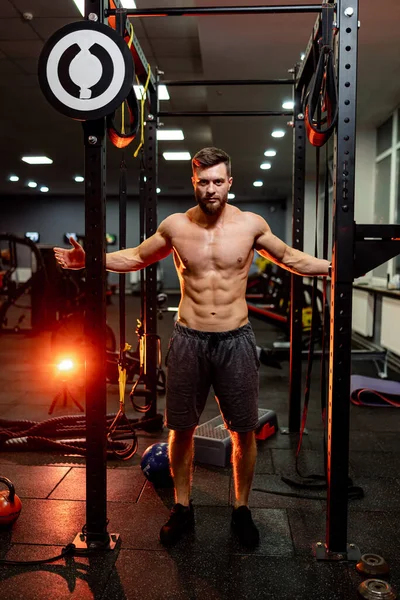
(211, 208)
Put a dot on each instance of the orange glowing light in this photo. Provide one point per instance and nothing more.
(65, 365)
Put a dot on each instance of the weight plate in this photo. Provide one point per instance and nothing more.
(376, 589)
(372, 564)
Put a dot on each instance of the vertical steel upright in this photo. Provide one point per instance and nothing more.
(342, 277)
(150, 208)
(95, 320)
(296, 297)
(120, 27)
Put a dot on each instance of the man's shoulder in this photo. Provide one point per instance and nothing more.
(252, 218)
(169, 224)
(176, 218)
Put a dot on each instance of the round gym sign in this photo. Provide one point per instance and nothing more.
(86, 70)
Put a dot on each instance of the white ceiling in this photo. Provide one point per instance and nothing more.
(206, 47)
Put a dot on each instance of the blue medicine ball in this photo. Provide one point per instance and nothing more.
(155, 465)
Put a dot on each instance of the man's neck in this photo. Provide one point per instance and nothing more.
(205, 220)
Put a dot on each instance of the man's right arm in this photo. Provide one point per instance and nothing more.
(153, 249)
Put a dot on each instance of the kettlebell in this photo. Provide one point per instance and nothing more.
(10, 504)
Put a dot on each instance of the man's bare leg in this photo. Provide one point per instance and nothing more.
(181, 519)
(244, 453)
(181, 463)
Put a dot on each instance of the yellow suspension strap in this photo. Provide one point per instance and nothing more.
(142, 101)
(122, 375)
(121, 428)
(142, 378)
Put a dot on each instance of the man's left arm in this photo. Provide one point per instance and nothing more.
(270, 246)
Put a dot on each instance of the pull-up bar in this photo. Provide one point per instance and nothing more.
(227, 113)
(218, 10)
(206, 82)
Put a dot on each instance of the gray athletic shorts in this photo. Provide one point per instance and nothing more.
(225, 360)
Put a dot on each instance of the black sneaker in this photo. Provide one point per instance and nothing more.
(181, 521)
(244, 527)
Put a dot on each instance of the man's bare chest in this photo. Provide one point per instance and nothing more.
(201, 249)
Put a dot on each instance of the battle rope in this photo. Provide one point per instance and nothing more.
(26, 435)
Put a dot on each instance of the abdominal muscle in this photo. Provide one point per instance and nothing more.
(214, 302)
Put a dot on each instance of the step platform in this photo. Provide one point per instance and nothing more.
(212, 442)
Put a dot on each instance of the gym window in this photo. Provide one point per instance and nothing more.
(387, 186)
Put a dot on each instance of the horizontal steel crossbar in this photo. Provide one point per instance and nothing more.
(218, 10)
(206, 82)
(227, 113)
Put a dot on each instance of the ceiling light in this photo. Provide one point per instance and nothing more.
(257, 183)
(265, 166)
(138, 91)
(176, 155)
(13, 178)
(278, 133)
(231, 196)
(158, 190)
(125, 4)
(270, 153)
(80, 4)
(288, 104)
(170, 134)
(32, 184)
(37, 160)
(162, 92)
(44, 188)
(79, 178)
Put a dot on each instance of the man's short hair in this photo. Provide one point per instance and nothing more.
(208, 157)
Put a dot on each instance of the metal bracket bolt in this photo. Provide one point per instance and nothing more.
(349, 12)
(150, 117)
(92, 139)
(93, 17)
(300, 116)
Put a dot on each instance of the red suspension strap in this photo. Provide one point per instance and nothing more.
(320, 106)
(120, 138)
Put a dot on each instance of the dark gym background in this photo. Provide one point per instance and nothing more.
(52, 486)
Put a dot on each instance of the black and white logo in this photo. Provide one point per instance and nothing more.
(86, 70)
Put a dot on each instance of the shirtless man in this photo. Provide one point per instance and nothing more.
(213, 343)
